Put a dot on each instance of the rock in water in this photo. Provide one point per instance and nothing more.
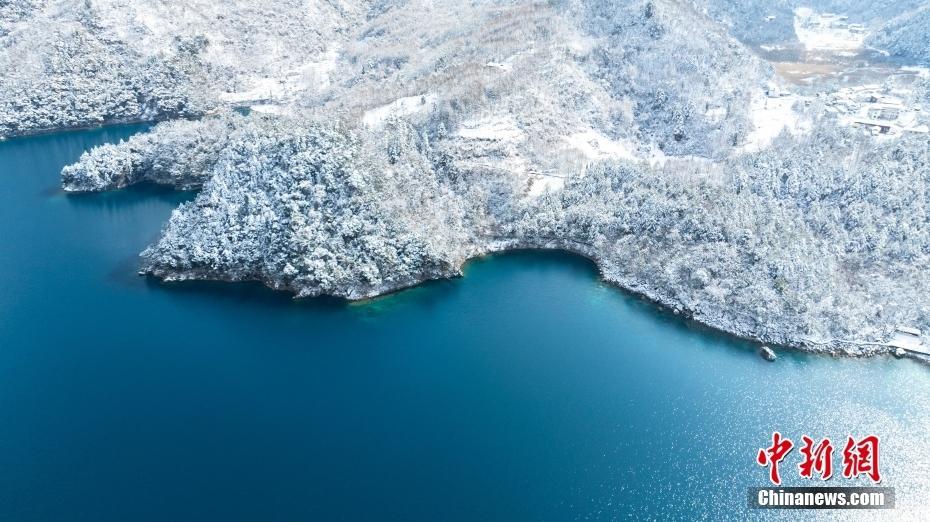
(899, 353)
(767, 353)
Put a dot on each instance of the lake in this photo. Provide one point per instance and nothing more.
(526, 390)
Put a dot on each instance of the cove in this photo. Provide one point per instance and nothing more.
(525, 390)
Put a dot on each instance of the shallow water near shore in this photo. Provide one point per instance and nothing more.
(527, 389)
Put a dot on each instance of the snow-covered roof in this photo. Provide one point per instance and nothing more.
(908, 330)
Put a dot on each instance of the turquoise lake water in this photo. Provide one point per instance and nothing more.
(525, 390)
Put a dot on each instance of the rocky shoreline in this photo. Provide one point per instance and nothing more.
(318, 208)
(637, 288)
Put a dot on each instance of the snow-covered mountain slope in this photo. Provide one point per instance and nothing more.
(72, 63)
(58, 71)
(536, 91)
(400, 138)
(819, 243)
(805, 242)
(529, 88)
(773, 21)
(906, 36)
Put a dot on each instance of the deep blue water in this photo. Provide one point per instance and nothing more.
(525, 390)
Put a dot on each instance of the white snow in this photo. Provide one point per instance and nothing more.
(922, 72)
(260, 89)
(595, 145)
(496, 141)
(268, 108)
(313, 76)
(881, 112)
(540, 184)
(827, 30)
(770, 116)
(157, 28)
(503, 66)
(399, 107)
(318, 74)
(495, 145)
(770, 48)
(907, 338)
(716, 114)
(492, 128)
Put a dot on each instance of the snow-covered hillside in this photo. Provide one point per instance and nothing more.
(907, 36)
(389, 141)
(773, 21)
(73, 63)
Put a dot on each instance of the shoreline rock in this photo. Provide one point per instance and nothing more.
(767, 353)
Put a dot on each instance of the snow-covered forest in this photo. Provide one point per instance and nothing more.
(907, 35)
(75, 63)
(384, 143)
(820, 239)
